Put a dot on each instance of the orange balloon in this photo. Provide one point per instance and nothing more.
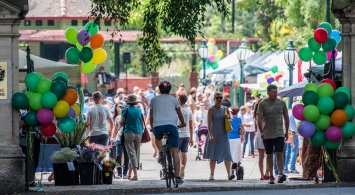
(70, 96)
(339, 117)
(96, 41)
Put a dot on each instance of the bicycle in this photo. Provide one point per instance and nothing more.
(167, 163)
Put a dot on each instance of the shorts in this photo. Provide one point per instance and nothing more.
(173, 137)
(184, 144)
(274, 145)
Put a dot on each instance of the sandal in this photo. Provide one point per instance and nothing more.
(134, 178)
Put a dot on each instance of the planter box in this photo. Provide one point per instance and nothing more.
(107, 177)
(98, 170)
(87, 172)
(64, 177)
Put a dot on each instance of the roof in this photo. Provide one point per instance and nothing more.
(58, 9)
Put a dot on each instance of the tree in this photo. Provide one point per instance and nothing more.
(184, 18)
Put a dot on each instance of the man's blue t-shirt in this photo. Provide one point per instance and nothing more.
(234, 134)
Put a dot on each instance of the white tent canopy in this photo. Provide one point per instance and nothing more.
(48, 68)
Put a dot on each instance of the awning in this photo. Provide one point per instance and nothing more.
(48, 68)
(293, 90)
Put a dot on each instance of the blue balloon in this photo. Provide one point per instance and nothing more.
(336, 35)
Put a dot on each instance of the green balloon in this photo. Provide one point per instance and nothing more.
(60, 74)
(332, 145)
(44, 86)
(348, 130)
(340, 100)
(311, 113)
(59, 89)
(66, 125)
(31, 80)
(88, 67)
(329, 45)
(309, 98)
(325, 90)
(305, 54)
(214, 65)
(349, 111)
(323, 122)
(311, 87)
(31, 119)
(49, 100)
(209, 64)
(325, 105)
(86, 54)
(326, 26)
(71, 35)
(35, 101)
(92, 28)
(320, 57)
(28, 94)
(346, 91)
(19, 101)
(313, 44)
(60, 79)
(318, 139)
(72, 55)
(274, 69)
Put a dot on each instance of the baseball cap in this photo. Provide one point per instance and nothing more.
(150, 85)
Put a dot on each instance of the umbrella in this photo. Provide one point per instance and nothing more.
(293, 90)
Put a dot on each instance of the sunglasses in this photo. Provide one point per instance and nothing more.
(219, 97)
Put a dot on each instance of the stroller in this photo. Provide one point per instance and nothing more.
(201, 136)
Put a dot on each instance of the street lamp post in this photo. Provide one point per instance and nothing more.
(242, 54)
(291, 59)
(203, 52)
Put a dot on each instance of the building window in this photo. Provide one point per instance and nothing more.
(39, 23)
(50, 22)
(84, 22)
(27, 22)
(108, 23)
(74, 23)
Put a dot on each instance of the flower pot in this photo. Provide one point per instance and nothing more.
(87, 173)
(107, 177)
(64, 177)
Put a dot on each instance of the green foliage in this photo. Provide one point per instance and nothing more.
(184, 18)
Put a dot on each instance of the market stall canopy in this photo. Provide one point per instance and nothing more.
(48, 68)
(293, 90)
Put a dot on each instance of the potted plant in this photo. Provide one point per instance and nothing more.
(65, 167)
(107, 170)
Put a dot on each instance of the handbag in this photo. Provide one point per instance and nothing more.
(241, 130)
(145, 135)
(227, 123)
(124, 125)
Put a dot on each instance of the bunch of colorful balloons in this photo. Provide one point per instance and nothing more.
(214, 55)
(88, 43)
(272, 77)
(50, 103)
(326, 114)
(321, 45)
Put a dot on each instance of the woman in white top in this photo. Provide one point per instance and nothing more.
(249, 126)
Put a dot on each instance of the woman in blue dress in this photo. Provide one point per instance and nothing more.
(217, 145)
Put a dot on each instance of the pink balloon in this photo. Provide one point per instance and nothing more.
(334, 133)
(329, 54)
(45, 116)
(211, 58)
(297, 112)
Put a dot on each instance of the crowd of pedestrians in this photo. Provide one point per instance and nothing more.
(195, 118)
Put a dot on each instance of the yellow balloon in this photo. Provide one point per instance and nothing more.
(99, 56)
(267, 75)
(76, 109)
(219, 53)
(61, 109)
(88, 67)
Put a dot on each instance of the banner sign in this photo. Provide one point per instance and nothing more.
(3, 80)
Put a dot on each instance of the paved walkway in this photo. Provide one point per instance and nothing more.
(196, 178)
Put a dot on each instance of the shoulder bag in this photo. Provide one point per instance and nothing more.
(241, 128)
(227, 123)
(145, 135)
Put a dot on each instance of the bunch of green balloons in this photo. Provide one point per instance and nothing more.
(321, 45)
(46, 101)
(326, 113)
(87, 49)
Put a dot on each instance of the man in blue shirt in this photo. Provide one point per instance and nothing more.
(292, 147)
(150, 93)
